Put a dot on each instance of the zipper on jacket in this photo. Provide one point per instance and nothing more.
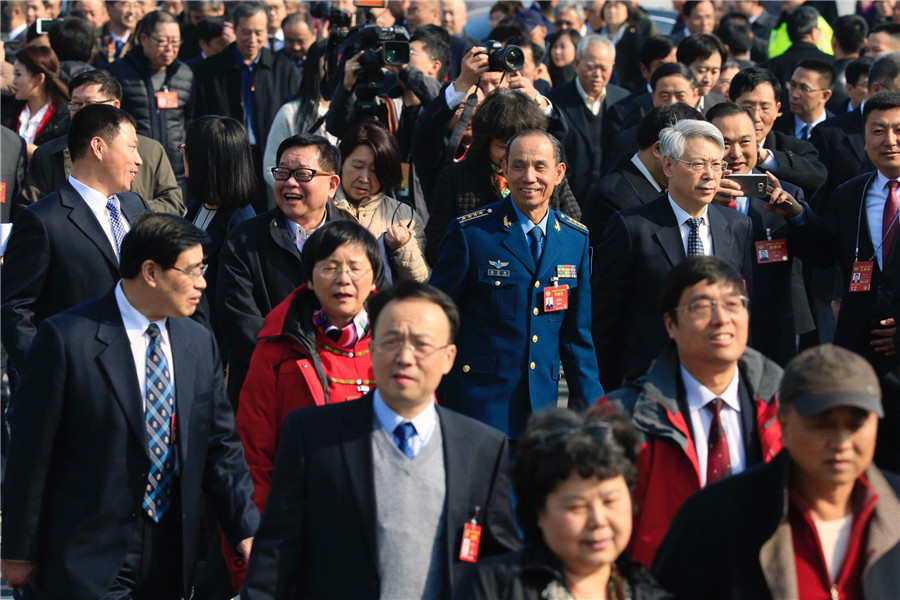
(834, 592)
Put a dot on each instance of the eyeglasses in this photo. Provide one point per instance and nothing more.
(417, 53)
(392, 347)
(704, 308)
(793, 85)
(194, 274)
(76, 106)
(331, 271)
(598, 431)
(303, 175)
(165, 41)
(698, 166)
(764, 108)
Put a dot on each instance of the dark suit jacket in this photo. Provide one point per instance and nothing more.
(12, 173)
(625, 113)
(584, 152)
(762, 28)
(78, 456)
(57, 257)
(639, 247)
(320, 517)
(798, 161)
(622, 187)
(783, 65)
(785, 122)
(841, 143)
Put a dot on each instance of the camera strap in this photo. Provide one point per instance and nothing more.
(460, 128)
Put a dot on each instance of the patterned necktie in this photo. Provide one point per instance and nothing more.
(115, 222)
(718, 457)
(402, 434)
(159, 418)
(535, 235)
(804, 133)
(888, 222)
(695, 245)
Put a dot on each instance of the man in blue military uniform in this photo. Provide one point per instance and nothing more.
(519, 272)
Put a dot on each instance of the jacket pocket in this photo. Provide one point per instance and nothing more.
(503, 290)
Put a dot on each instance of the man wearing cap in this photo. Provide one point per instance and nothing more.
(819, 521)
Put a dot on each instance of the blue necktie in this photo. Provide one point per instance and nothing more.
(695, 245)
(535, 235)
(115, 222)
(402, 434)
(119, 45)
(804, 133)
(159, 419)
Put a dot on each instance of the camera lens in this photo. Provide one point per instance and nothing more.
(513, 58)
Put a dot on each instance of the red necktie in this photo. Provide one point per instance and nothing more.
(718, 458)
(732, 205)
(888, 225)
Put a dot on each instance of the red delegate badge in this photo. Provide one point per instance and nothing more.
(861, 276)
(468, 551)
(556, 298)
(166, 100)
(771, 251)
(2, 192)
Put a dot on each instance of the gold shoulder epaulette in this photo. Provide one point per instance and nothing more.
(463, 219)
(566, 218)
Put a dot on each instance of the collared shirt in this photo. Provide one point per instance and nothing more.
(876, 198)
(300, 235)
(136, 329)
(800, 124)
(527, 225)
(593, 104)
(681, 216)
(29, 123)
(248, 92)
(13, 34)
(636, 161)
(698, 396)
(424, 422)
(97, 203)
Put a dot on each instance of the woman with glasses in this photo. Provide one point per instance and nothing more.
(313, 349)
(573, 480)
(370, 171)
(39, 113)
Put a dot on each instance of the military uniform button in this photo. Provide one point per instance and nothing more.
(537, 284)
(466, 368)
(534, 338)
(535, 311)
(532, 365)
(497, 282)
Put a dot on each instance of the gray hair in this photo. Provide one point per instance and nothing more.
(672, 139)
(592, 40)
(562, 7)
(557, 146)
(885, 70)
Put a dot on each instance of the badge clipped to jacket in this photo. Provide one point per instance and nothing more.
(166, 99)
(471, 539)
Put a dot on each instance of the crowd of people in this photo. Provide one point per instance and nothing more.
(288, 291)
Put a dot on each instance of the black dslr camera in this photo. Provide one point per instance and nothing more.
(504, 58)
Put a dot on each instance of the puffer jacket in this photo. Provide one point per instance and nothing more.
(377, 214)
(168, 126)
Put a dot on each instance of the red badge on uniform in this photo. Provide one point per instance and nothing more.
(771, 251)
(2, 192)
(166, 100)
(471, 539)
(556, 298)
(861, 276)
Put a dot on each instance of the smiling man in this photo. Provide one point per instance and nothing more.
(818, 521)
(519, 271)
(64, 250)
(707, 404)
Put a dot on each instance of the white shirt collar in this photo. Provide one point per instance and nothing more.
(584, 95)
(698, 395)
(645, 172)
(682, 215)
(880, 182)
(134, 321)
(300, 235)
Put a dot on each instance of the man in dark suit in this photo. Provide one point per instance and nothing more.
(804, 33)
(809, 90)
(389, 483)
(784, 228)
(704, 54)
(119, 422)
(260, 262)
(65, 249)
(787, 157)
(12, 173)
(641, 245)
(583, 101)
(636, 179)
(761, 24)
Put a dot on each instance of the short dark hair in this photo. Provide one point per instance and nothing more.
(537, 52)
(700, 47)
(728, 109)
(297, 18)
(800, 22)
(334, 234)
(159, 237)
(825, 71)
(670, 69)
(541, 464)
(409, 289)
(72, 39)
(329, 156)
(432, 40)
(886, 100)
(688, 7)
(890, 28)
(95, 120)
(209, 28)
(503, 114)
(247, 9)
(885, 70)
(655, 48)
(509, 27)
(734, 30)
(850, 32)
(109, 85)
(221, 164)
(661, 117)
(151, 20)
(858, 67)
(692, 271)
(557, 145)
(749, 79)
(384, 147)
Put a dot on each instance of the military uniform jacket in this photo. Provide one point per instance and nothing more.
(510, 347)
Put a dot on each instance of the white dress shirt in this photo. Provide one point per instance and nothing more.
(97, 203)
(300, 235)
(30, 123)
(681, 216)
(424, 422)
(636, 161)
(876, 198)
(136, 329)
(698, 396)
(593, 104)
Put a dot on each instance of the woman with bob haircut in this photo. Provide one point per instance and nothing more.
(370, 173)
(573, 482)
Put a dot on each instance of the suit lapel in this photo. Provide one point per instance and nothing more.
(638, 182)
(668, 235)
(456, 466)
(722, 239)
(515, 240)
(356, 446)
(553, 243)
(81, 216)
(183, 353)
